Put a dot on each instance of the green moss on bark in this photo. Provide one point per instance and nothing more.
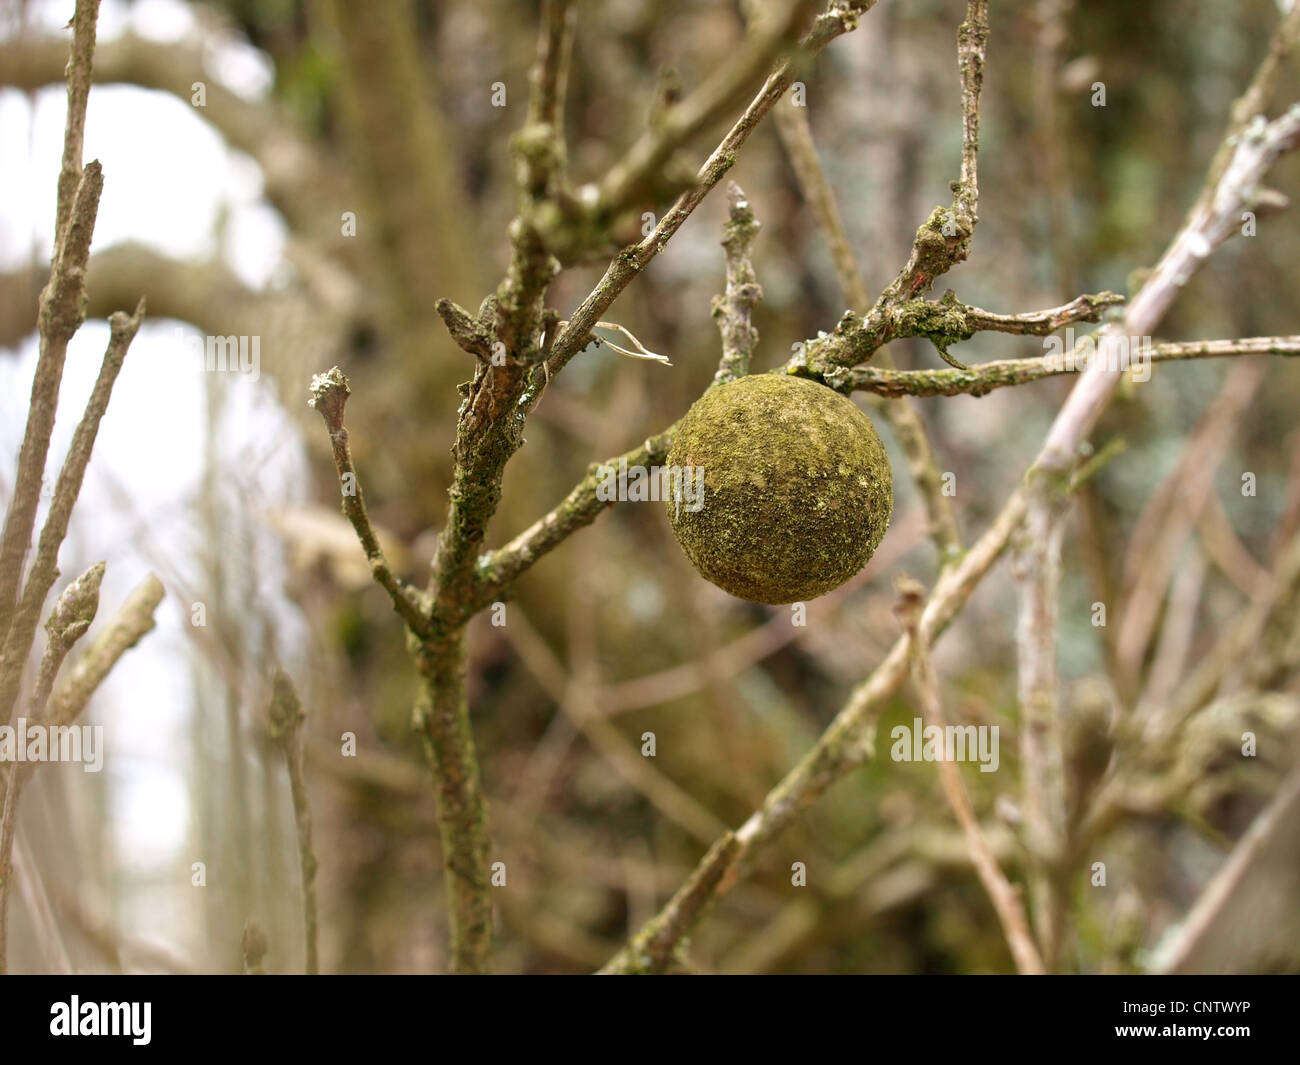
(797, 488)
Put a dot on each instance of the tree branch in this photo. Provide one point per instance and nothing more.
(840, 18)
(983, 378)
(45, 571)
(638, 176)
(732, 311)
(61, 316)
(329, 396)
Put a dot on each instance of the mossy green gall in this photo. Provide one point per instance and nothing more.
(797, 488)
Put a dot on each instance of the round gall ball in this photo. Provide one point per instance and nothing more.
(797, 488)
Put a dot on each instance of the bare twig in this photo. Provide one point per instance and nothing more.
(441, 712)
(61, 316)
(78, 76)
(551, 71)
(133, 619)
(1037, 569)
(1257, 149)
(44, 569)
(733, 310)
(329, 396)
(496, 570)
(1210, 222)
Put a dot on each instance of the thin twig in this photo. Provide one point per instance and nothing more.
(497, 570)
(941, 242)
(634, 178)
(550, 73)
(45, 571)
(733, 310)
(78, 76)
(329, 397)
(61, 316)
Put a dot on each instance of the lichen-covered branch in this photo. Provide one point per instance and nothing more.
(983, 378)
(941, 242)
(733, 310)
(497, 570)
(972, 42)
(943, 322)
(442, 719)
(497, 401)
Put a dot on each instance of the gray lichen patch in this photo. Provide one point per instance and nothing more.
(797, 488)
